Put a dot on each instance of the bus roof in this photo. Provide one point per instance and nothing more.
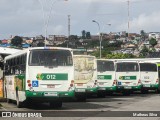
(8, 51)
(106, 59)
(84, 56)
(34, 48)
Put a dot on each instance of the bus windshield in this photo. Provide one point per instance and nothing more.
(50, 57)
(103, 66)
(148, 67)
(127, 67)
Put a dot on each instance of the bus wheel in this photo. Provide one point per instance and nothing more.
(126, 93)
(157, 91)
(101, 94)
(81, 98)
(19, 104)
(144, 91)
(56, 104)
(9, 100)
(110, 93)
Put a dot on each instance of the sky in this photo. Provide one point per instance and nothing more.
(28, 17)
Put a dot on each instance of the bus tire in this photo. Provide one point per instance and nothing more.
(144, 91)
(157, 91)
(19, 104)
(81, 98)
(9, 100)
(55, 104)
(126, 93)
(110, 93)
(101, 94)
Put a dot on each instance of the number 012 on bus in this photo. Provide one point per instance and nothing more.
(40, 74)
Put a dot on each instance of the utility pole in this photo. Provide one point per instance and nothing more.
(128, 18)
(69, 25)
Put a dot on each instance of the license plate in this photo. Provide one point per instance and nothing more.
(127, 87)
(79, 84)
(50, 94)
(80, 90)
(101, 83)
(146, 85)
(127, 82)
(50, 86)
(101, 89)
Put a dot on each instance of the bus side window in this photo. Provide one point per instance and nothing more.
(23, 63)
(159, 71)
(17, 65)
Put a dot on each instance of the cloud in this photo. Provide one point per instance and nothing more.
(143, 22)
(58, 29)
(108, 1)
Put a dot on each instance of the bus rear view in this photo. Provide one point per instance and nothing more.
(105, 77)
(149, 76)
(84, 76)
(128, 77)
(40, 74)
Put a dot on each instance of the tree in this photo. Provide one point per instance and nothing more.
(144, 51)
(73, 37)
(40, 44)
(153, 42)
(17, 41)
(142, 32)
(119, 56)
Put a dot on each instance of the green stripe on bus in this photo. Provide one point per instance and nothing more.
(127, 77)
(52, 76)
(104, 77)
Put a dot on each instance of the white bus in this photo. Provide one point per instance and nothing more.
(85, 76)
(128, 76)
(3, 53)
(106, 80)
(43, 74)
(149, 76)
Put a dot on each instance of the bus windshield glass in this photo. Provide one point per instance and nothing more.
(103, 66)
(148, 67)
(127, 67)
(50, 57)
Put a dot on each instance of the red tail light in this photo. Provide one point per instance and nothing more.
(139, 81)
(28, 81)
(157, 81)
(114, 82)
(29, 85)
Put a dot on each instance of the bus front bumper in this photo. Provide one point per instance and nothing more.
(49, 95)
(129, 88)
(113, 88)
(150, 86)
(92, 90)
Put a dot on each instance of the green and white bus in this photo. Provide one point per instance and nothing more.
(149, 76)
(84, 76)
(128, 76)
(43, 74)
(106, 80)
